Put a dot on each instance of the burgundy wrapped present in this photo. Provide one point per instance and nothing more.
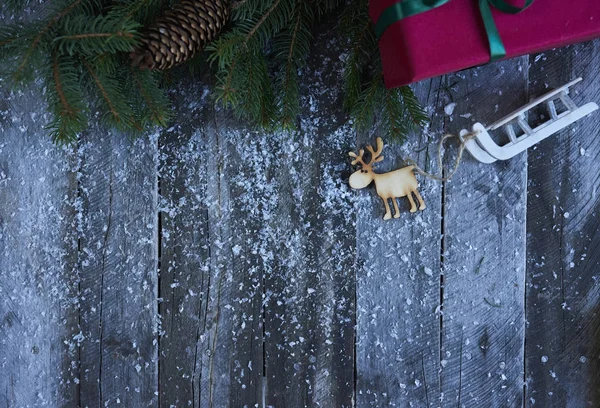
(420, 39)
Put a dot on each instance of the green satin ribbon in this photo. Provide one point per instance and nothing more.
(407, 8)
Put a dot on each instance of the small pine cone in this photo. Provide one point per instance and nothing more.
(180, 33)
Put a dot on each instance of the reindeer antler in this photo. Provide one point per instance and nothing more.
(359, 158)
(375, 155)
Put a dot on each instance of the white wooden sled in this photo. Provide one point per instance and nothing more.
(483, 147)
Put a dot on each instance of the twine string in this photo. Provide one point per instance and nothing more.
(440, 157)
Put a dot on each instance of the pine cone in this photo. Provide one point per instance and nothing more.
(180, 33)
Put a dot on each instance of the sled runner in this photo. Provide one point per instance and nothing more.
(484, 149)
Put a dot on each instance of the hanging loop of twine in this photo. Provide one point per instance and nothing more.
(440, 157)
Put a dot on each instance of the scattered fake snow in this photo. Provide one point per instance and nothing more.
(256, 221)
(449, 109)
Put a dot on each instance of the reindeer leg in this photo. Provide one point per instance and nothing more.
(388, 214)
(421, 202)
(397, 211)
(413, 206)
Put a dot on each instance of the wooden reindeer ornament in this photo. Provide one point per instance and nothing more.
(392, 185)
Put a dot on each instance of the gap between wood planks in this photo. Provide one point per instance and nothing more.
(524, 401)
(159, 239)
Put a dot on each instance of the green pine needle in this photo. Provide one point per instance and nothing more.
(366, 97)
(40, 42)
(65, 97)
(116, 107)
(367, 104)
(81, 50)
(142, 11)
(152, 103)
(415, 111)
(289, 51)
(100, 34)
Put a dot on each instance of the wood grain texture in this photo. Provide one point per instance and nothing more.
(118, 271)
(563, 296)
(214, 265)
(309, 284)
(239, 196)
(38, 258)
(185, 254)
(211, 265)
(217, 202)
(483, 310)
(398, 285)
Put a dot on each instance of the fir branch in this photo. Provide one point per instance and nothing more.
(356, 25)
(226, 90)
(18, 75)
(261, 22)
(118, 110)
(94, 36)
(272, 20)
(393, 121)
(364, 110)
(100, 34)
(254, 87)
(105, 63)
(417, 114)
(355, 65)
(243, 10)
(224, 50)
(65, 97)
(241, 62)
(325, 6)
(290, 50)
(103, 91)
(395, 115)
(142, 11)
(67, 109)
(366, 97)
(290, 99)
(153, 98)
(9, 33)
(11, 36)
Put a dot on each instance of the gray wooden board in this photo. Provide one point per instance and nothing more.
(398, 284)
(309, 285)
(272, 271)
(118, 271)
(563, 293)
(483, 310)
(38, 248)
(185, 253)
(240, 196)
(216, 246)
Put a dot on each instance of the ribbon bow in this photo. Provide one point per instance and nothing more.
(407, 8)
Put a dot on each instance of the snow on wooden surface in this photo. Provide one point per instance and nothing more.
(563, 257)
(39, 334)
(214, 265)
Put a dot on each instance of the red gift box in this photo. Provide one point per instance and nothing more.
(452, 36)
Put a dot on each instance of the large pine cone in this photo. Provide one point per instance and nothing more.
(180, 33)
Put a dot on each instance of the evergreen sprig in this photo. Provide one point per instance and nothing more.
(81, 50)
(366, 96)
(290, 49)
(277, 34)
(265, 50)
(66, 100)
(243, 79)
(97, 35)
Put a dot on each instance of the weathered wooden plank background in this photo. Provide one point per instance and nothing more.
(563, 261)
(212, 265)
